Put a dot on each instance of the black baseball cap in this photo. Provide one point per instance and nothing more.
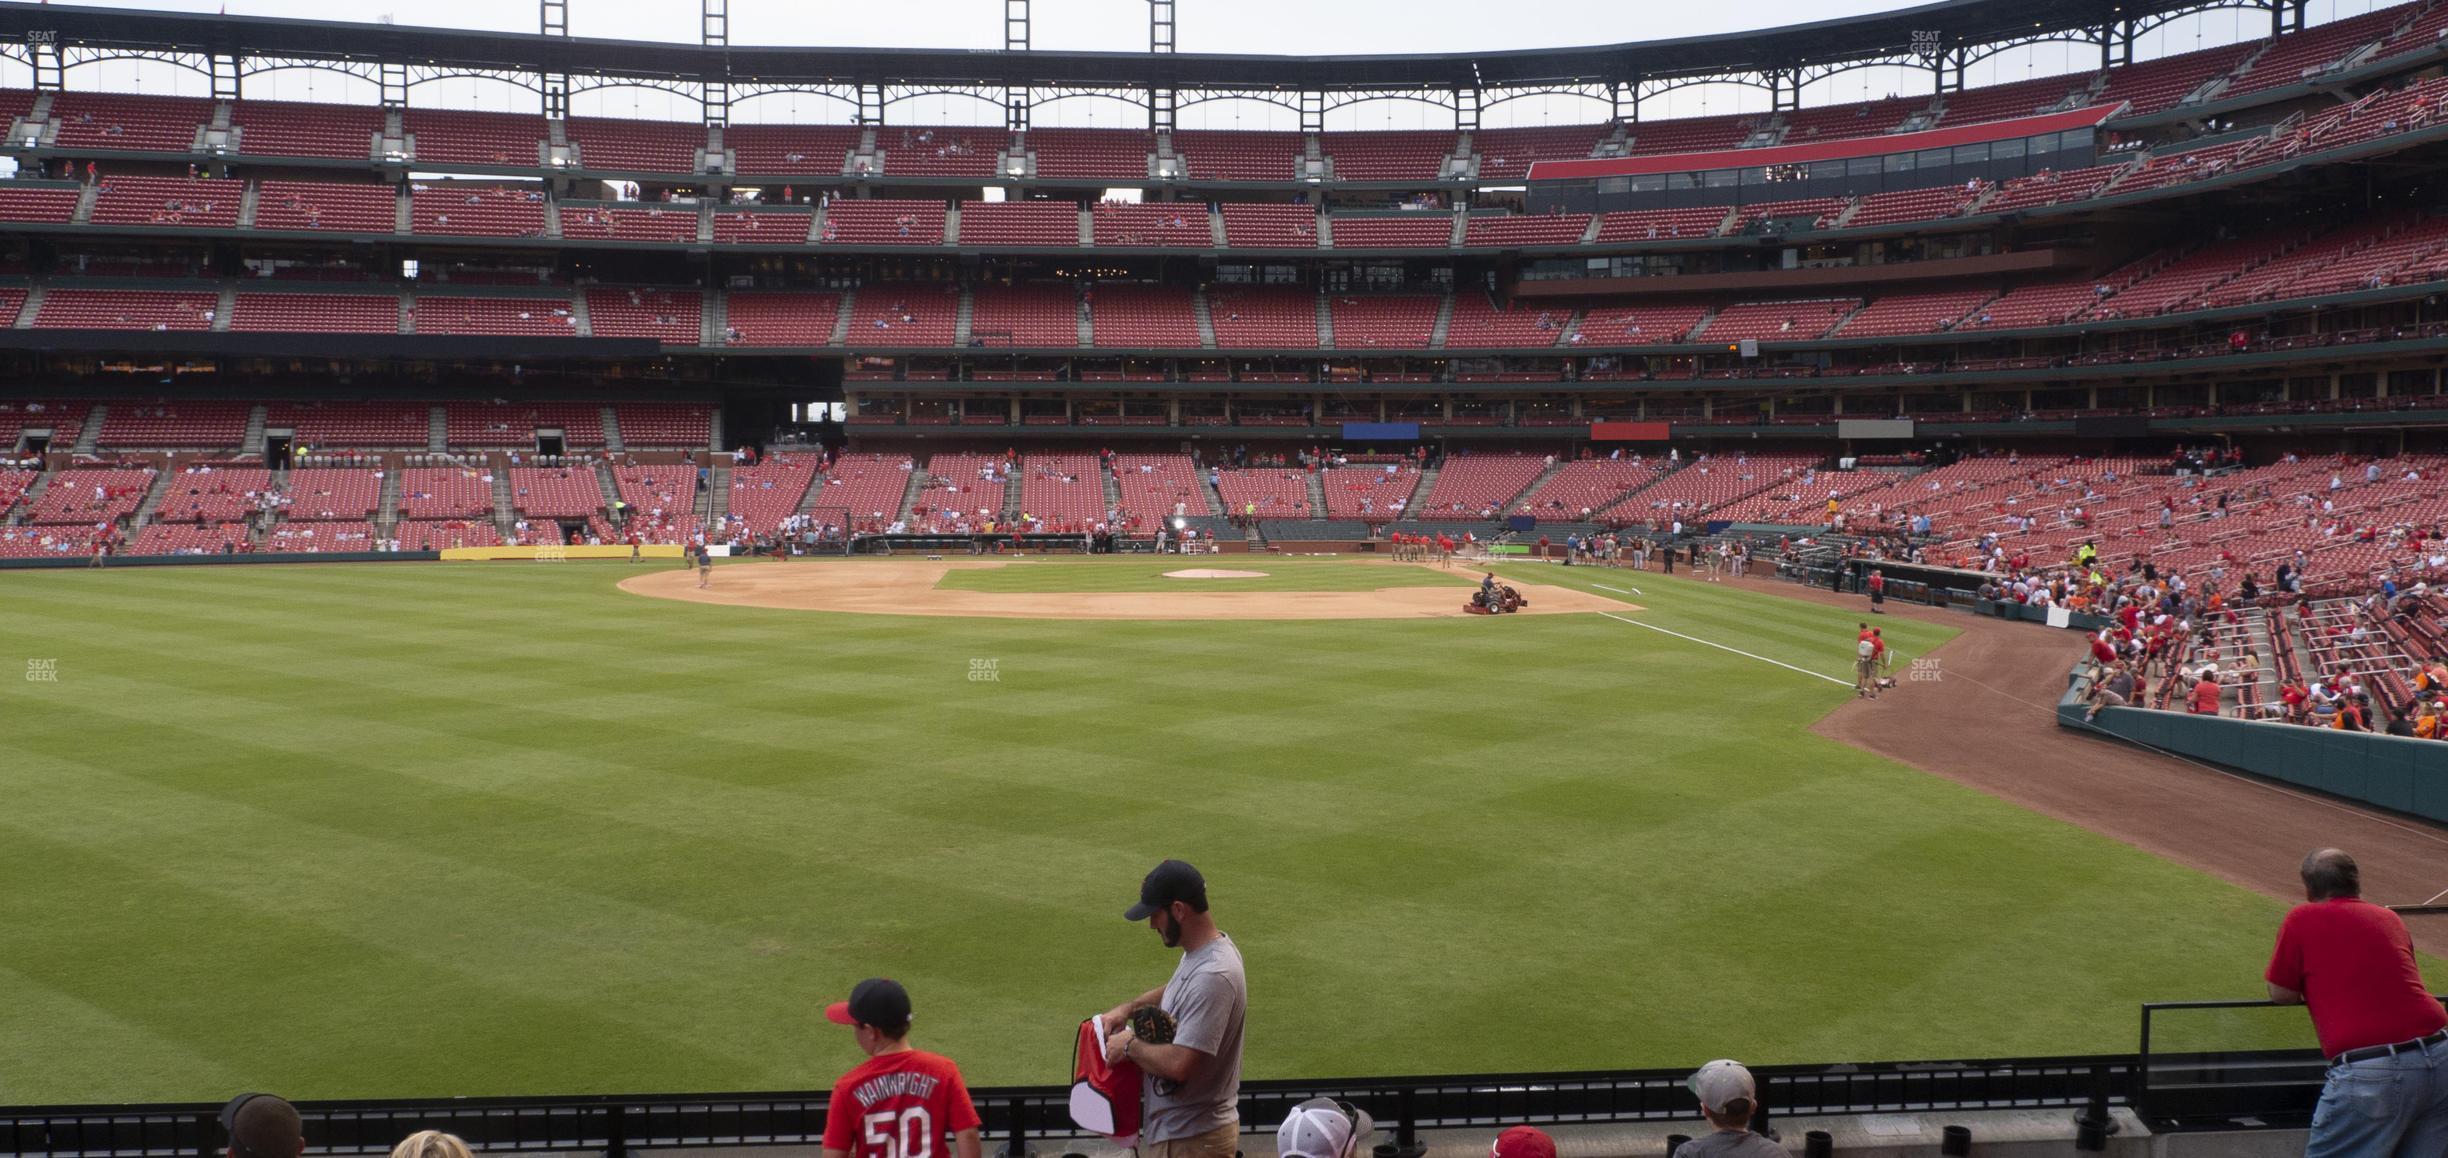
(879, 1001)
(1174, 880)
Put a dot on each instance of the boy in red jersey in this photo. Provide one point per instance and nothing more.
(901, 1101)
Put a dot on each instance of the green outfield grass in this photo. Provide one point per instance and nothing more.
(415, 830)
(1133, 574)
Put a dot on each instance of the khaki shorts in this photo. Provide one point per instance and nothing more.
(1221, 1142)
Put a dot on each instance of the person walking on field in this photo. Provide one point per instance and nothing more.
(900, 1102)
(705, 565)
(1878, 591)
(1191, 1087)
(1865, 665)
(2351, 964)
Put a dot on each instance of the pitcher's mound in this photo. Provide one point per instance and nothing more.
(1214, 573)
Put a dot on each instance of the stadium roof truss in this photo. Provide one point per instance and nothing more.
(1942, 38)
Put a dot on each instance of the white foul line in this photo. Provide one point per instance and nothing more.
(1722, 647)
(1617, 590)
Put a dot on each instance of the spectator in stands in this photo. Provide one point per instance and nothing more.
(1323, 1128)
(2352, 964)
(263, 1126)
(1523, 1142)
(1729, 1099)
(918, 1096)
(431, 1144)
(1193, 1084)
(2205, 696)
(2114, 690)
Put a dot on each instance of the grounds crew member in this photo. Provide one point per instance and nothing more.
(901, 1101)
(1191, 1085)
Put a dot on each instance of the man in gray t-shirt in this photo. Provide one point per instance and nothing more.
(1191, 1087)
(1728, 1099)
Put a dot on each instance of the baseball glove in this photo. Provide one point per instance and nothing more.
(1151, 1024)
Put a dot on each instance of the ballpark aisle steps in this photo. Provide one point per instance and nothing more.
(387, 508)
(223, 306)
(1087, 228)
(1514, 503)
(714, 313)
(962, 319)
(1317, 494)
(1426, 487)
(910, 491)
(1087, 331)
(1198, 309)
(609, 487)
(1113, 490)
(841, 320)
(1325, 323)
(552, 220)
(437, 431)
(1011, 495)
(1215, 226)
(407, 308)
(401, 220)
(253, 445)
(505, 504)
(152, 500)
(246, 205)
(93, 427)
(951, 225)
(42, 482)
(612, 432)
(1444, 322)
(584, 326)
(32, 306)
(718, 500)
(1325, 230)
(84, 206)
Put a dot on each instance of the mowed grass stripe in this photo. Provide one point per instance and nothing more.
(1524, 843)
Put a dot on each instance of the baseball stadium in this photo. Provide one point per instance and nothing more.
(1861, 583)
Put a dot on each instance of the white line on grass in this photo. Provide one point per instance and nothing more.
(1617, 590)
(1722, 647)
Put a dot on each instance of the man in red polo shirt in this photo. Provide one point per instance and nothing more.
(2386, 1038)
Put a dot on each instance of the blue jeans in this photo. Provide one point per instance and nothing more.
(2384, 1107)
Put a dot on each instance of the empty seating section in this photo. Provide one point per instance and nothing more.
(2289, 58)
(762, 226)
(781, 318)
(1809, 212)
(456, 137)
(1238, 155)
(2382, 111)
(2049, 188)
(1532, 229)
(664, 425)
(1393, 231)
(184, 424)
(486, 424)
(1777, 321)
(1705, 484)
(329, 205)
(762, 495)
(1841, 122)
(444, 492)
(960, 489)
(53, 204)
(2154, 85)
(1154, 486)
(91, 497)
(126, 309)
(1909, 205)
(1912, 313)
(1378, 494)
(942, 151)
(199, 203)
(1253, 226)
(627, 146)
(2180, 282)
(1579, 490)
(433, 535)
(261, 313)
(882, 222)
(555, 492)
(1026, 315)
(2024, 98)
(219, 538)
(1062, 492)
(521, 317)
(1000, 223)
(790, 150)
(327, 493)
(63, 420)
(1473, 486)
(2163, 170)
(1662, 224)
(2361, 257)
(221, 495)
(675, 316)
(1272, 492)
(11, 302)
(1127, 223)
(476, 210)
(868, 486)
(1091, 154)
(1659, 325)
(1507, 154)
(321, 538)
(662, 499)
(652, 224)
(1691, 134)
(1477, 322)
(1147, 316)
(2420, 34)
(1391, 322)
(2047, 304)
(126, 123)
(351, 425)
(1398, 155)
(912, 314)
(296, 129)
(1270, 317)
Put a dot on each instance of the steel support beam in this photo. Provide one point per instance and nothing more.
(714, 91)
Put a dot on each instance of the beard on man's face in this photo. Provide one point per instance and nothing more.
(1171, 930)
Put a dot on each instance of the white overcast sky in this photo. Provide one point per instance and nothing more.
(1253, 26)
